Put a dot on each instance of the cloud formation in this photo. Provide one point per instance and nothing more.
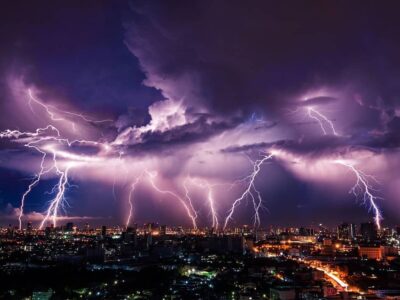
(312, 83)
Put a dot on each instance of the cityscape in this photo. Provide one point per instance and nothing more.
(200, 150)
(152, 261)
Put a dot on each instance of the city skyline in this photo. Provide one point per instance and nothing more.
(241, 263)
(254, 114)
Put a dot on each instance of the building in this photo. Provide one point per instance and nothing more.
(369, 231)
(29, 227)
(130, 235)
(371, 252)
(346, 231)
(306, 231)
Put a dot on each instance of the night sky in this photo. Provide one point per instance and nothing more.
(180, 111)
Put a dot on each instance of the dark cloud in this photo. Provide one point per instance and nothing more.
(313, 146)
(180, 73)
(234, 56)
(250, 147)
(74, 51)
(200, 130)
(134, 117)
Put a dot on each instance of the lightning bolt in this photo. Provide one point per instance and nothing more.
(151, 176)
(322, 120)
(37, 179)
(45, 141)
(363, 186)
(43, 144)
(250, 192)
(189, 200)
(55, 112)
(16, 134)
(130, 201)
(57, 202)
(35, 140)
(210, 199)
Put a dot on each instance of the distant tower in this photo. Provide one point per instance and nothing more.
(130, 235)
(29, 227)
(346, 231)
(369, 231)
(10, 230)
(47, 231)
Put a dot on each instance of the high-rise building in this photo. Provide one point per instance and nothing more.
(371, 252)
(369, 231)
(10, 230)
(103, 230)
(130, 235)
(132, 229)
(346, 231)
(47, 231)
(306, 231)
(29, 227)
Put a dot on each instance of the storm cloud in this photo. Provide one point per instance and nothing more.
(204, 90)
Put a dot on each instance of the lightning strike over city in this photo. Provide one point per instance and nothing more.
(210, 199)
(188, 149)
(188, 208)
(130, 201)
(162, 132)
(251, 192)
(363, 186)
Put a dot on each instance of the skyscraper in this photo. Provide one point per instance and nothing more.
(369, 231)
(29, 227)
(346, 231)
